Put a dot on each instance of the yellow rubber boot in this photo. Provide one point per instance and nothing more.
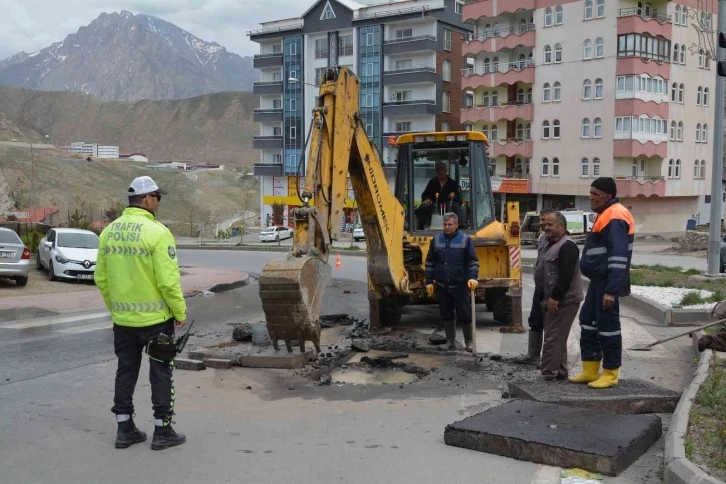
(608, 379)
(590, 372)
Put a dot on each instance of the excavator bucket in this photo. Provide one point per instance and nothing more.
(291, 291)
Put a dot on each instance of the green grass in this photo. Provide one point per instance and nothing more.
(706, 437)
(663, 276)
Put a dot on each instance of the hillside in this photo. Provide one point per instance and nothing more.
(215, 127)
(126, 57)
(68, 181)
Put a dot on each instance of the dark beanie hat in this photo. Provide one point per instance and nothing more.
(607, 185)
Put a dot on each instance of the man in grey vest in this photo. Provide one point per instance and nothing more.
(558, 281)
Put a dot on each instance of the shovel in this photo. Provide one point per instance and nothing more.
(648, 347)
(473, 324)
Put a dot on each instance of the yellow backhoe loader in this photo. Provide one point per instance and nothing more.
(397, 232)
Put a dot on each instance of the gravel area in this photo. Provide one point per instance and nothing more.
(38, 283)
(667, 296)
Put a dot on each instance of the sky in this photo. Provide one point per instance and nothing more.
(31, 25)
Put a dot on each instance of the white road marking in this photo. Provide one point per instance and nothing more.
(86, 329)
(51, 321)
(546, 475)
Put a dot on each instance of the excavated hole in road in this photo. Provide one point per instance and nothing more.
(381, 367)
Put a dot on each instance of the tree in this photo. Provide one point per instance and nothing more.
(278, 213)
(78, 220)
(113, 213)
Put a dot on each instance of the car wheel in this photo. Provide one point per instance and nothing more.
(21, 281)
(51, 272)
(38, 262)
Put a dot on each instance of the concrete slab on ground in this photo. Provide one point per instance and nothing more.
(277, 359)
(557, 435)
(631, 396)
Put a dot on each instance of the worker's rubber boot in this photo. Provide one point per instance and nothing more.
(450, 328)
(468, 336)
(608, 379)
(437, 337)
(590, 372)
(128, 434)
(534, 349)
(165, 437)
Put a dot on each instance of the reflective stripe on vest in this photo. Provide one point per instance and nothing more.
(145, 307)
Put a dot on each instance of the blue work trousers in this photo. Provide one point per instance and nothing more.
(600, 337)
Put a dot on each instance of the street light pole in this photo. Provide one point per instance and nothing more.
(714, 239)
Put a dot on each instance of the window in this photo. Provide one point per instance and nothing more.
(404, 33)
(485, 99)
(403, 64)
(683, 54)
(346, 45)
(599, 48)
(679, 131)
(369, 130)
(699, 96)
(695, 169)
(677, 15)
(370, 39)
(487, 65)
(293, 132)
(446, 70)
(598, 88)
(645, 46)
(588, 9)
(705, 96)
(321, 48)
(277, 158)
(495, 63)
(276, 131)
(520, 131)
(495, 132)
(587, 49)
(681, 90)
(674, 92)
(277, 104)
(596, 167)
(555, 129)
(545, 129)
(597, 128)
(676, 51)
(698, 133)
(704, 134)
(520, 96)
(555, 167)
(528, 131)
(293, 49)
(557, 92)
(529, 95)
(548, 17)
(495, 98)
(700, 58)
(548, 54)
(558, 15)
(403, 127)
(447, 40)
(678, 169)
(545, 167)
(600, 9)
(445, 126)
(485, 130)
(585, 128)
(319, 73)
(293, 105)
(546, 93)
(446, 101)
(277, 76)
(327, 12)
(401, 96)
(672, 136)
(587, 89)
(558, 52)
(703, 169)
(459, 8)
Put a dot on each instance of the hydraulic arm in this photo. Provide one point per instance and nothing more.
(292, 289)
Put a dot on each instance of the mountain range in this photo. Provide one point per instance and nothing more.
(127, 57)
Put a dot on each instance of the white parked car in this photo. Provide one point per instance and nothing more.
(358, 234)
(68, 254)
(274, 234)
(14, 257)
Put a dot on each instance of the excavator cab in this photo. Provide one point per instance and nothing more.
(445, 172)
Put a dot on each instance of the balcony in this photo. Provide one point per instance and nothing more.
(511, 147)
(407, 108)
(497, 74)
(271, 87)
(634, 21)
(509, 111)
(267, 142)
(502, 184)
(630, 65)
(637, 107)
(630, 148)
(495, 40)
(267, 115)
(267, 60)
(410, 44)
(267, 169)
(493, 8)
(640, 186)
(408, 76)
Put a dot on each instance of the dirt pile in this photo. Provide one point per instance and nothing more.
(692, 241)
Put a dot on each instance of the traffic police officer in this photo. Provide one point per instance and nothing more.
(138, 275)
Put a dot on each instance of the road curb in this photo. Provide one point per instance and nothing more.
(662, 315)
(343, 252)
(678, 469)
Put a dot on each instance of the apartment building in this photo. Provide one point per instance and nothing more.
(407, 55)
(92, 149)
(570, 90)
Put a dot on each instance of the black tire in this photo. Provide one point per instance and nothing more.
(501, 304)
(38, 263)
(21, 281)
(390, 311)
(51, 272)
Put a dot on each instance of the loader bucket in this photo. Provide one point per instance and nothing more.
(291, 291)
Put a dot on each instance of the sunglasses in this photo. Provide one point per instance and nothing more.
(155, 195)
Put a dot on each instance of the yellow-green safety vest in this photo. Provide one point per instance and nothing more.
(137, 271)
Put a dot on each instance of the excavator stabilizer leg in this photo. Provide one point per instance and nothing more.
(291, 291)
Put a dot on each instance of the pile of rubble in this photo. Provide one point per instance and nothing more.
(692, 241)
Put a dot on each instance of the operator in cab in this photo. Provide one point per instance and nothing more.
(449, 194)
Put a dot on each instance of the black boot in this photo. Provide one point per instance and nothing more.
(165, 437)
(450, 328)
(128, 435)
(534, 349)
(467, 329)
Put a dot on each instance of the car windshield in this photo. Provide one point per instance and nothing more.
(78, 241)
(9, 237)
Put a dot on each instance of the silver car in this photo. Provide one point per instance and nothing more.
(14, 257)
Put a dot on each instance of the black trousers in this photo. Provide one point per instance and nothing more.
(129, 345)
(600, 336)
(536, 316)
(455, 300)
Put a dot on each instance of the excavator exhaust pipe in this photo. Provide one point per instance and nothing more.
(291, 291)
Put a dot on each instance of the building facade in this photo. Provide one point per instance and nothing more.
(570, 90)
(406, 54)
(92, 149)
